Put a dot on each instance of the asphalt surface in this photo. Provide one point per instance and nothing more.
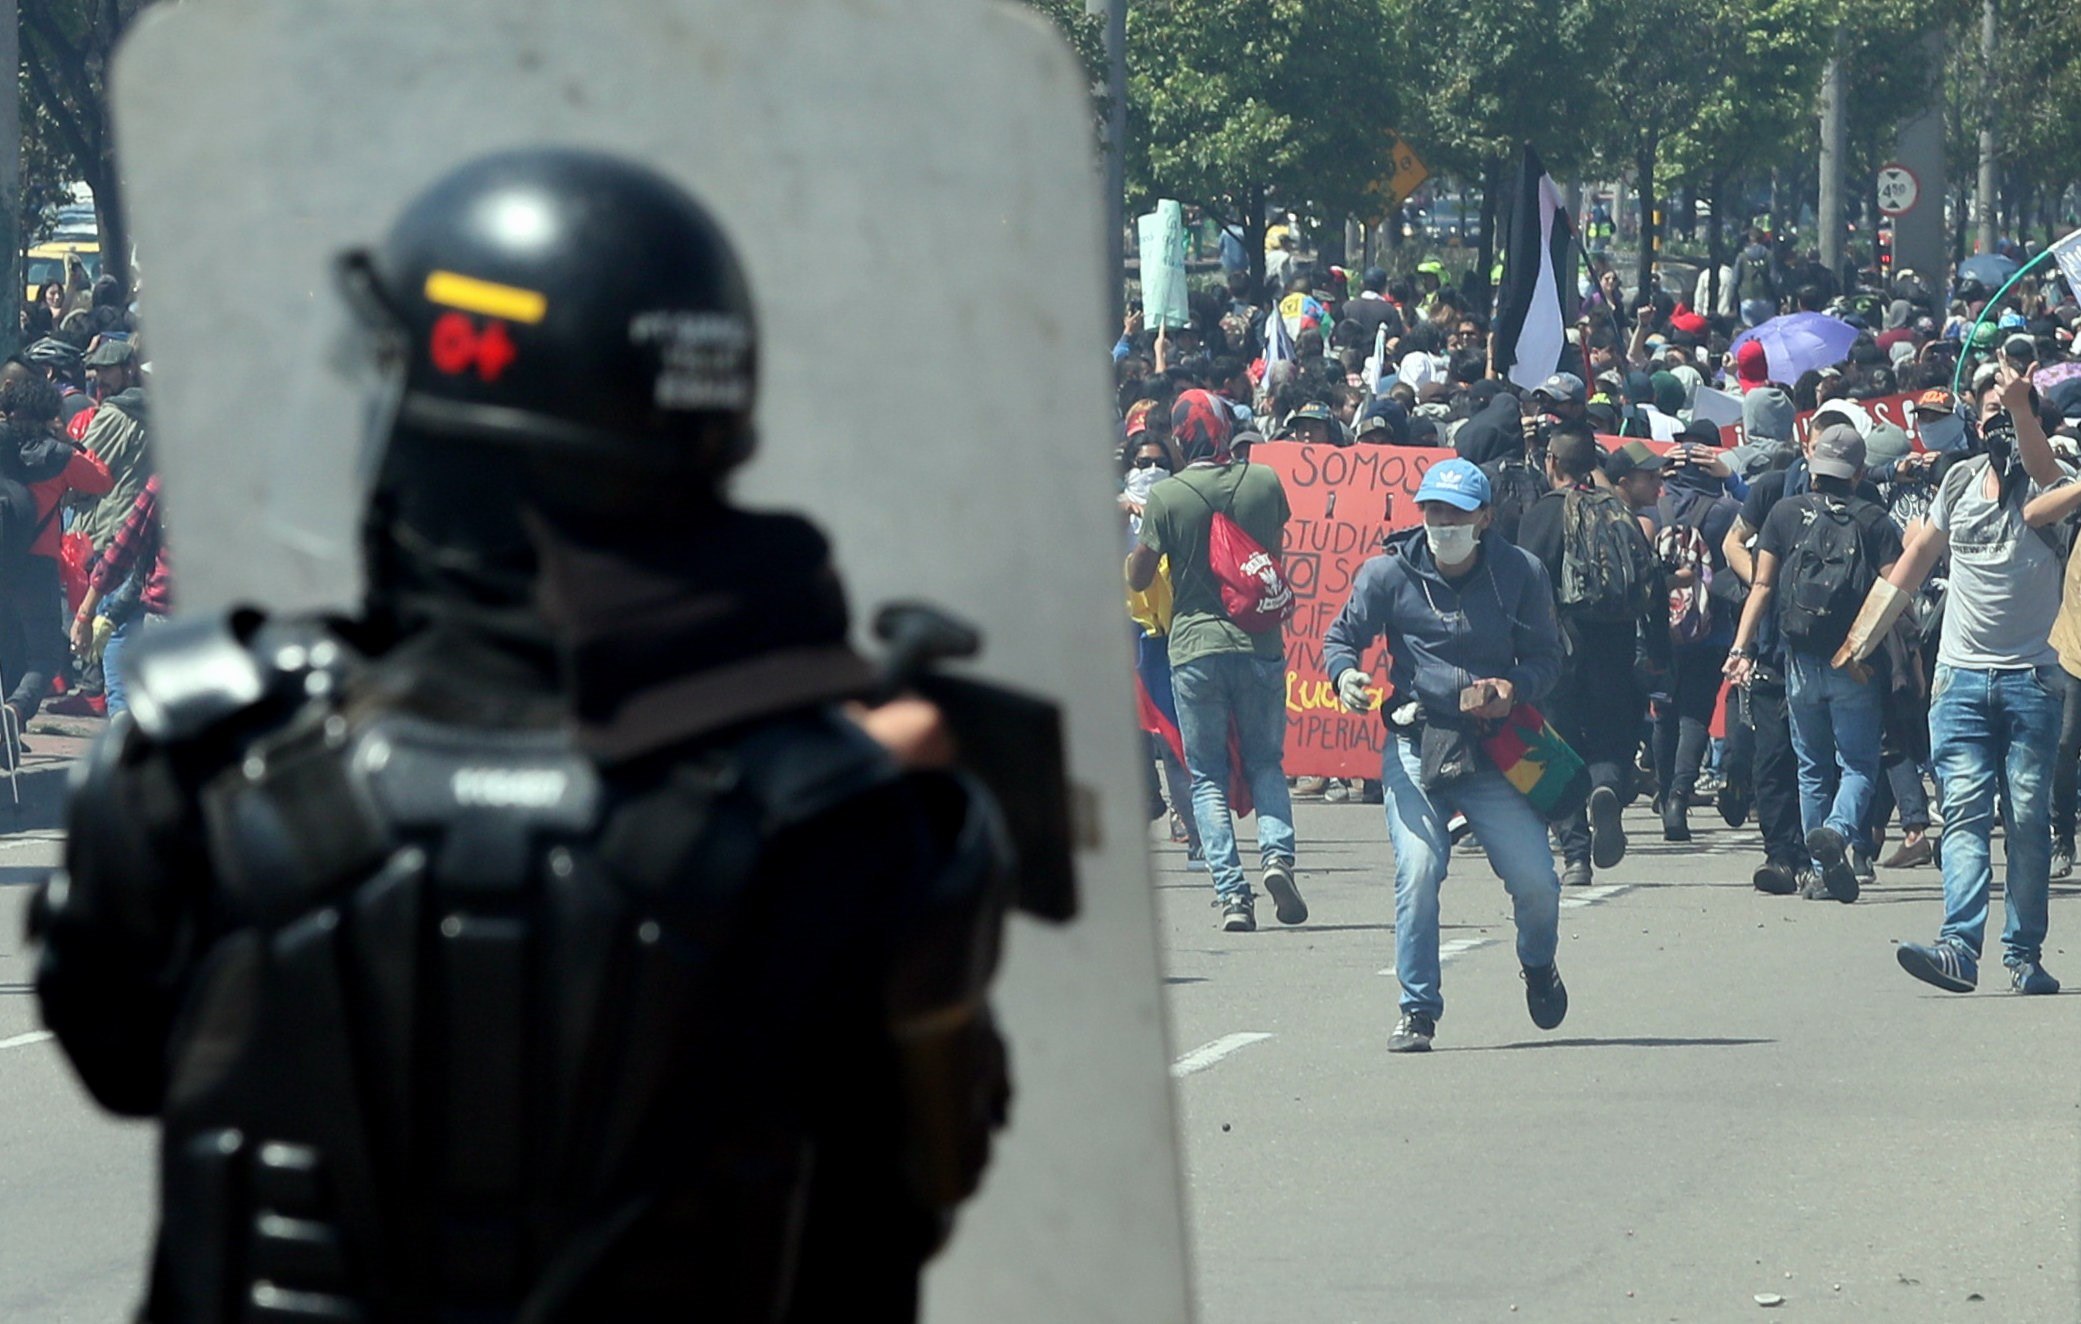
(1748, 1098)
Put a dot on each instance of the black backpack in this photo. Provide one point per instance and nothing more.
(1825, 578)
(1513, 486)
(1752, 279)
(19, 526)
(1608, 570)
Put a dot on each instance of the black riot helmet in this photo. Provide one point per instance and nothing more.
(568, 304)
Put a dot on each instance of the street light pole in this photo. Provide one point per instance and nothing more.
(10, 171)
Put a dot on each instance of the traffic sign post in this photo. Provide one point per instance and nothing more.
(1899, 189)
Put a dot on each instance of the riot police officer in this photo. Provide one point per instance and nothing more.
(547, 941)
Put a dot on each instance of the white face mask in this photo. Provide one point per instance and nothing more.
(1945, 434)
(1451, 544)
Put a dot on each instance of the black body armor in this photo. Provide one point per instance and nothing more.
(447, 1022)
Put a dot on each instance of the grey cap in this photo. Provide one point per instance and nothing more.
(1562, 386)
(111, 354)
(1838, 452)
(1885, 444)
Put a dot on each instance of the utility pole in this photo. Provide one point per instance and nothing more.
(11, 172)
(1985, 201)
(1833, 146)
(1115, 14)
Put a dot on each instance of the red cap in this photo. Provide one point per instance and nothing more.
(1692, 324)
(1751, 364)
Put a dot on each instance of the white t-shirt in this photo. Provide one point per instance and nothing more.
(2005, 580)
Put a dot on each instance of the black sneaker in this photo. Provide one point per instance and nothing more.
(1733, 803)
(1286, 897)
(1832, 855)
(1546, 997)
(2062, 859)
(1776, 879)
(1576, 874)
(1946, 963)
(1238, 913)
(1861, 865)
(1607, 833)
(1413, 1033)
(2029, 977)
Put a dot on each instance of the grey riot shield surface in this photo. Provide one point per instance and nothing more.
(911, 185)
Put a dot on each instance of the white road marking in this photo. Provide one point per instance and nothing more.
(1591, 896)
(24, 1040)
(1206, 1055)
(1570, 901)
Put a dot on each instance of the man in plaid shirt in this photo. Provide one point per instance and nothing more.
(130, 587)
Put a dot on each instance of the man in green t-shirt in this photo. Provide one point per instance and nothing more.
(1223, 677)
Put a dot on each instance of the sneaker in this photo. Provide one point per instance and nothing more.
(1238, 913)
(1413, 1033)
(1336, 793)
(1546, 997)
(1576, 874)
(1945, 963)
(1607, 833)
(1458, 828)
(1195, 862)
(1286, 897)
(1733, 803)
(2062, 859)
(1861, 865)
(1914, 854)
(1811, 887)
(1305, 788)
(2029, 977)
(1832, 853)
(1776, 879)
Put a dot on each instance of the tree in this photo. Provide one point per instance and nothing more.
(1757, 110)
(1232, 103)
(1658, 58)
(1498, 74)
(66, 46)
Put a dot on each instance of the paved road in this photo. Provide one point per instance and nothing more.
(1748, 1097)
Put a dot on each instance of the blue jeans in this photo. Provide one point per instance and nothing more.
(1511, 832)
(1992, 730)
(1836, 725)
(1251, 691)
(112, 686)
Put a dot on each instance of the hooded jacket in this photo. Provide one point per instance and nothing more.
(1497, 622)
(117, 438)
(1496, 433)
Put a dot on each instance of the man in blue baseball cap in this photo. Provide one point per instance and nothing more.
(1470, 621)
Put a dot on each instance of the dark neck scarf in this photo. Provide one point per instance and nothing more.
(741, 617)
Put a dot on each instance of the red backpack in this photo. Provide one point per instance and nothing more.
(1254, 591)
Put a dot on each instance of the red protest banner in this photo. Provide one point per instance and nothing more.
(1343, 500)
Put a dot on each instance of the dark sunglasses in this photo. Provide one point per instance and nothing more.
(1151, 462)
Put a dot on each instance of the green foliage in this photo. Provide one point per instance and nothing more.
(1235, 102)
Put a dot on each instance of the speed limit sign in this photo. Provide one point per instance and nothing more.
(1898, 189)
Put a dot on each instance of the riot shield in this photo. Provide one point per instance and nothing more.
(912, 187)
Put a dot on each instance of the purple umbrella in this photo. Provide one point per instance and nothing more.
(1798, 343)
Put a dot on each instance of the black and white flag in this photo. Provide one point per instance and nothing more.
(1537, 303)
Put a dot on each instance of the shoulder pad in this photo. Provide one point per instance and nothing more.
(197, 672)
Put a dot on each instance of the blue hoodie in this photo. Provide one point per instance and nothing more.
(1497, 622)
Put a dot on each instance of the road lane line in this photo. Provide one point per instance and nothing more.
(1572, 901)
(24, 1040)
(1591, 896)
(1206, 1055)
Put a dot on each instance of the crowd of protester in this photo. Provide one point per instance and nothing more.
(82, 559)
(1864, 610)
